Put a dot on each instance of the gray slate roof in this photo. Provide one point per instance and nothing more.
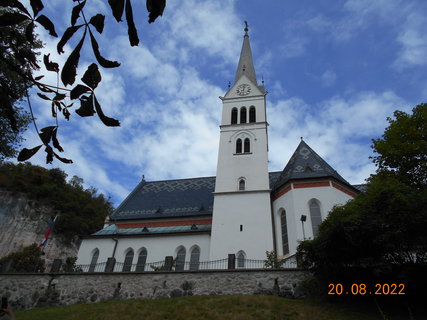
(305, 163)
(171, 198)
(113, 230)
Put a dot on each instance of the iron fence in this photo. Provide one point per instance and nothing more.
(223, 264)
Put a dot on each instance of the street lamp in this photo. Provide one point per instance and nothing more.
(303, 219)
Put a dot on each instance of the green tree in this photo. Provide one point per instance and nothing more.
(403, 146)
(28, 259)
(17, 61)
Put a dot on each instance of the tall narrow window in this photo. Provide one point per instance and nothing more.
(285, 240)
(239, 146)
(234, 116)
(242, 184)
(243, 115)
(127, 265)
(316, 217)
(142, 259)
(247, 146)
(180, 259)
(94, 260)
(240, 259)
(252, 115)
(195, 259)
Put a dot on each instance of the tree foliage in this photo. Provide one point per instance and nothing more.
(28, 259)
(62, 100)
(403, 146)
(17, 57)
(80, 211)
(381, 231)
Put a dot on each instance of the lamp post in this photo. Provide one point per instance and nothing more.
(303, 218)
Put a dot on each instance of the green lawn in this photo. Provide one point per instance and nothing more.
(216, 307)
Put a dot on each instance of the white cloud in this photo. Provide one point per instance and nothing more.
(338, 129)
(413, 41)
(328, 78)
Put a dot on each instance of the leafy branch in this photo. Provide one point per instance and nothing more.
(15, 13)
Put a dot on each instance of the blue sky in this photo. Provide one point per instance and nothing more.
(334, 71)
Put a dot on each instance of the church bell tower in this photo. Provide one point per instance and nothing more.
(242, 207)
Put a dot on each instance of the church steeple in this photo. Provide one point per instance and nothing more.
(246, 64)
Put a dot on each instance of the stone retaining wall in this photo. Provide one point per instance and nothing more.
(26, 291)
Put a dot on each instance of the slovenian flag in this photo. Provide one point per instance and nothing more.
(48, 232)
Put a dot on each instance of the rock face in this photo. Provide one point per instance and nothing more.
(24, 222)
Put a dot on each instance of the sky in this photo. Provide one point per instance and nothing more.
(334, 72)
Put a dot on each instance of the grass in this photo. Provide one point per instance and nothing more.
(214, 307)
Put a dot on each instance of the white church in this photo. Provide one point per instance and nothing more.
(245, 210)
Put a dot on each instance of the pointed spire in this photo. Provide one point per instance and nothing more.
(246, 64)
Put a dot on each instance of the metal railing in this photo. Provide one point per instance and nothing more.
(164, 265)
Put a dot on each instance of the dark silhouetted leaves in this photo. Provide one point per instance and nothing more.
(117, 7)
(49, 154)
(46, 134)
(86, 106)
(92, 77)
(26, 154)
(47, 24)
(66, 114)
(64, 160)
(110, 122)
(50, 66)
(76, 12)
(66, 36)
(37, 6)
(39, 77)
(59, 97)
(29, 32)
(55, 141)
(155, 7)
(69, 71)
(98, 22)
(15, 4)
(41, 95)
(78, 91)
(132, 32)
(11, 18)
(102, 61)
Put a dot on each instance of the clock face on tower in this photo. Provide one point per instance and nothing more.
(243, 89)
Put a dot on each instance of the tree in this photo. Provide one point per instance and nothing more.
(59, 97)
(380, 232)
(17, 57)
(403, 146)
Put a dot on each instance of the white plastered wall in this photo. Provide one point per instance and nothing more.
(296, 203)
(158, 247)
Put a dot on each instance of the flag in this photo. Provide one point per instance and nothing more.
(48, 232)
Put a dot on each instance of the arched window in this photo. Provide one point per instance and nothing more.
(94, 260)
(243, 115)
(285, 240)
(239, 146)
(247, 145)
(242, 184)
(240, 259)
(180, 259)
(234, 116)
(252, 114)
(316, 217)
(127, 265)
(195, 259)
(142, 259)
